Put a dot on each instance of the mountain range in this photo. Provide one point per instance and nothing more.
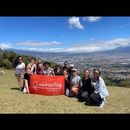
(119, 50)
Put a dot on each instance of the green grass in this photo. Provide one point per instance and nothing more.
(13, 101)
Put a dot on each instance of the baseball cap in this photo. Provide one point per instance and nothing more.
(74, 70)
(71, 65)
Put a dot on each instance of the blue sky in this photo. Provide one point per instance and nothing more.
(64, 34)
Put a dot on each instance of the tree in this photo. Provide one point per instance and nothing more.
(1, 55)
(7, 64)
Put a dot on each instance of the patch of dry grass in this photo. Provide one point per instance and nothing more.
(13, 101)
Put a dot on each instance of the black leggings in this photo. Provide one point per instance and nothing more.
(27, 77)
(95, 98)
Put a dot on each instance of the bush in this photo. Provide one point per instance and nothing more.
(7, 64)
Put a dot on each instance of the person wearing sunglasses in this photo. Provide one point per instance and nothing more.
(75, 83)
(19, 71)
(98, 96)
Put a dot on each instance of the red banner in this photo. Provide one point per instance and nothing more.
(47, 85)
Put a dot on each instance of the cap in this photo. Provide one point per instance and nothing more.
(74, 70)
(71, 65)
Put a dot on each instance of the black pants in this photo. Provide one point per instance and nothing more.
(95, 98)
(84, 95)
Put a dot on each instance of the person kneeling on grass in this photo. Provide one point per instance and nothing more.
(98, 96)
(75, 83)
(87, 88)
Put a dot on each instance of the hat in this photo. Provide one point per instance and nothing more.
(71, 65)
(74, 70)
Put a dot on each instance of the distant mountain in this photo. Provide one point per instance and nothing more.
(125, 49)
(38, 54)
(120, 50)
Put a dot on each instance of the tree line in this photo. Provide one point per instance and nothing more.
(8, 59)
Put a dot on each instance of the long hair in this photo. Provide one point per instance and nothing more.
(99, 73)
(17, 60)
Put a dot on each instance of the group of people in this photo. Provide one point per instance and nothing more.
(88, 89)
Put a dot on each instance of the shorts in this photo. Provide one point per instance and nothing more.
(18, 75)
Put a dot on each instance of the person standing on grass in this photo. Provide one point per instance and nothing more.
(66, 65)
(19, 71)
(39, 69)
(67, 82)
(30, 69)
(58, 70)
(71, 66)
(47, 69)
(98, 96)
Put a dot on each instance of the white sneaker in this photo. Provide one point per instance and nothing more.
(102, 104)
(104, 99)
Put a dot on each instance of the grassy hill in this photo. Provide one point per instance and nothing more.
(13, 101)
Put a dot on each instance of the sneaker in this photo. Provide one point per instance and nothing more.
(104, 99)
(102, 104)
(67, 92)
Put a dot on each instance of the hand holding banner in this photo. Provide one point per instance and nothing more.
(47, 85)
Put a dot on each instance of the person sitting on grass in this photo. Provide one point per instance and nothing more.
(98, 96)
(75, 83)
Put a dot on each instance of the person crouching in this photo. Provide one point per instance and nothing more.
(75, 83)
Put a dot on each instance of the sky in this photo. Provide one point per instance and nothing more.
(64, 34)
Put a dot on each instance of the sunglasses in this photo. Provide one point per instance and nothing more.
(96, 72)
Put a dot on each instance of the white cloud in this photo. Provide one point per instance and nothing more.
(74, 22)
(44, 49)
(37, 43)
(4, 46)
(120, 42)
(92, 18)
(83, 49)
(100, 45)
(90, 46)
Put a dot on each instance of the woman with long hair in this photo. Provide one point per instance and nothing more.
(87, 88)
(19, 71)
(75, 83)
(98, 96)
(30, 69)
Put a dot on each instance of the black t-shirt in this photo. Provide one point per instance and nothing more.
(67, 85)
(87, 85)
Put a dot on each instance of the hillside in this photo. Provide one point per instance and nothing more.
(13, 101)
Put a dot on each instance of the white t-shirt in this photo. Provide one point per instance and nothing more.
(49, 71)
(75, 80)
(20, 68)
